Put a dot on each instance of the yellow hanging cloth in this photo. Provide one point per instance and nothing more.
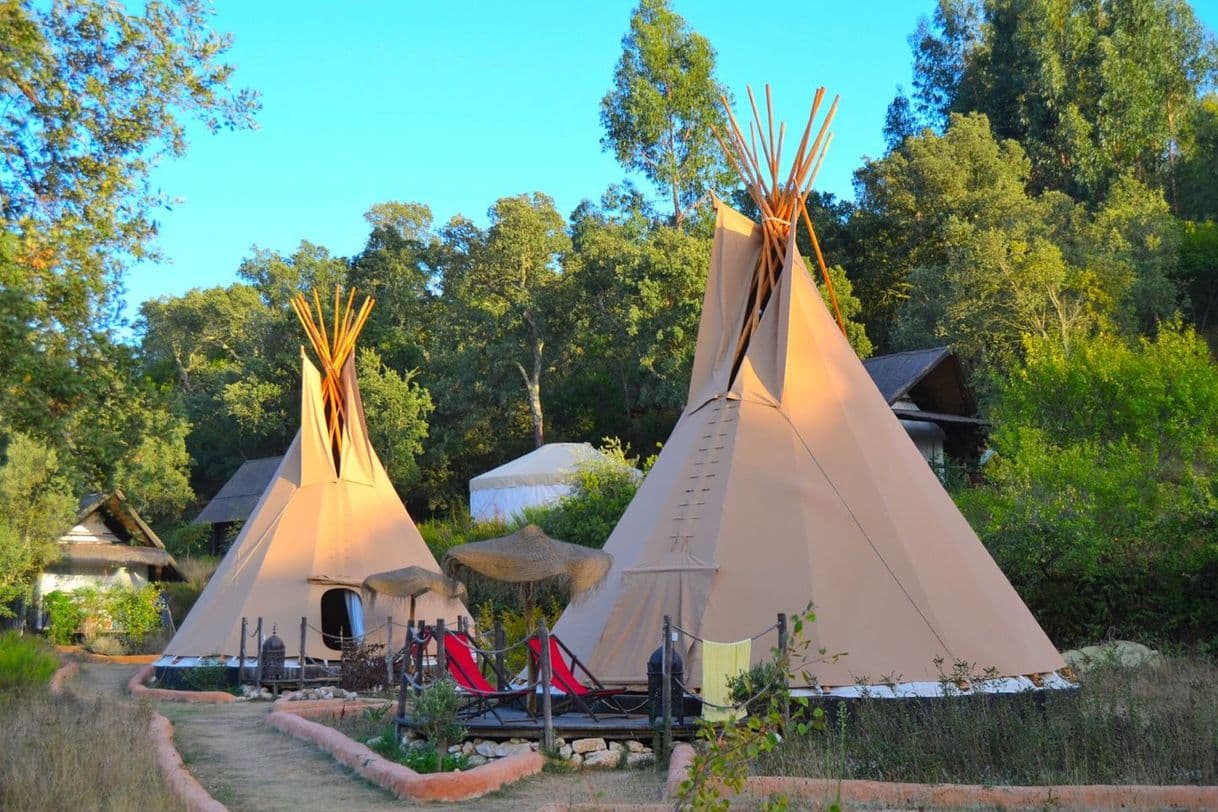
(721, 662)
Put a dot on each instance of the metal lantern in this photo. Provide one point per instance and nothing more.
(273, 651)
(655, 684)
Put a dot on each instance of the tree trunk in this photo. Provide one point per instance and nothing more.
(532, 387)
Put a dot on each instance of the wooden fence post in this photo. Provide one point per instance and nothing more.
(261, 665)
(547, 672)
(389, 654)
(304, 624)
(241, 656)
(786, 670)
(500, 666)
(666, 688)
(441, 654)
(418, 655)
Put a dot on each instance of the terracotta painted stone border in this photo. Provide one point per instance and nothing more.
(137, 688)
(184, 785)
(289, 717)
(915, 796)
(62, 675)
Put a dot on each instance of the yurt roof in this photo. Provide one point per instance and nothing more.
(551, 463)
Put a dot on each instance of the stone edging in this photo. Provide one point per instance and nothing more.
(62, 675)
(137, 688)
(184, 785)
(920, 796)
(181, 783)
(289, 717)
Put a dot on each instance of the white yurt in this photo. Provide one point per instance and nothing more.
(541, 477)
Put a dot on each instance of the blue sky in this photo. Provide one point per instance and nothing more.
(458, 104)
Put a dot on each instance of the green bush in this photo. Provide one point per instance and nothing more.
(1102, 502)
(64, 617)
(442, 534)
(95, 613)
(423, 760)
(602, 493)
(435, 715)
(136, 611)
(25, 662)
(516, 626)
(188, 540)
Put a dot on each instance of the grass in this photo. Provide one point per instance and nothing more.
(1143, 725)
(25, 662)
(69, 753)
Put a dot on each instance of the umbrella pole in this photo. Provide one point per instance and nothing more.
(529, 628)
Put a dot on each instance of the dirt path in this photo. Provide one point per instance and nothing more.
(248, 766)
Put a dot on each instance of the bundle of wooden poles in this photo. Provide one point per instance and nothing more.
(780, 201)
(333, 347)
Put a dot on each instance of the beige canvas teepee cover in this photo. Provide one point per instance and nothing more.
(792, 481)
(316, 528)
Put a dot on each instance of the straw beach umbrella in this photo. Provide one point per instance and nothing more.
(530, 558)
(411, 582)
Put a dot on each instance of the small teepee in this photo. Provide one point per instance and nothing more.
(787, 479)
(329, 518)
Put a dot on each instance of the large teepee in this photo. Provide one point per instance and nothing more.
(787, 479)
(329, 518)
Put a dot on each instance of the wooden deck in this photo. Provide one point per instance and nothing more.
(513, 722)
(518, 724)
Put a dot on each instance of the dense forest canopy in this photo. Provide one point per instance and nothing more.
(1048, 198)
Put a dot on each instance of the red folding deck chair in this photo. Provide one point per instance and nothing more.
(562, 676)
(463, 668)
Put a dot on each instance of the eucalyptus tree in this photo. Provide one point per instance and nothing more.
(659, 115)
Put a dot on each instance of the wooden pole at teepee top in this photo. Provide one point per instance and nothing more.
(333, 348)
(780, 204)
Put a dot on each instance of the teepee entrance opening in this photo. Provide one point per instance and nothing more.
(342, 617)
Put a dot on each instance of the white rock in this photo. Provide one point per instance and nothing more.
(511, 749)
(477, 760)
(564, 751)
(602, 760)
(454, 748)
(617, 747)
(1122, 653)
(640, 760)
(576, 759)
(560, 741)
(467, 749)
(485, 749)
(636, 747)
(582, 746)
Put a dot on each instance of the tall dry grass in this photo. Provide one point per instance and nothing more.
(1152, 724)
(63, 752)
